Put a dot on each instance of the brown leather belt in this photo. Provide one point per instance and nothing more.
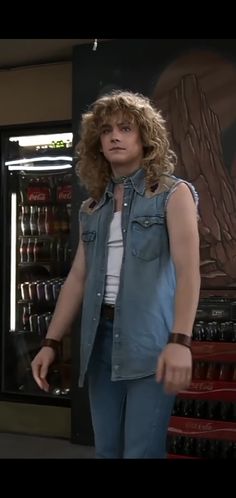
(108, 311)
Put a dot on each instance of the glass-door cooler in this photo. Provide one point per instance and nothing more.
(36, 219)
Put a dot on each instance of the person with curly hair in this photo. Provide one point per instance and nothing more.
(135, 278)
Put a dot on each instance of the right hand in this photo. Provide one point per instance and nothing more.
(40, 365)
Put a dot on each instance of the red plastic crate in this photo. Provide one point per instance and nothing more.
(211, 390)
(215, 351)
(196, 427)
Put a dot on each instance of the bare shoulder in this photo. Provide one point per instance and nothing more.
(182, 215)
(182, 197)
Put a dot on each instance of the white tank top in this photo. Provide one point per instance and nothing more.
(114, 260)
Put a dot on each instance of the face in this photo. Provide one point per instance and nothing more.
(121, 144)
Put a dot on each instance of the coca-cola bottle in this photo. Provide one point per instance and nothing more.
(64, 189)
(68, 207)
(49, 222)
(41, 220)
(23, 197)
(39, 190)
(33, 291)
(213, 409)
(213, 371)
(202, 447)
(189, 446)
(64, 221)
(214, 449)
(200, 408)
(56, 219)
(187, 408)
(25, 220)
(37, 250)
(30, 250)
(24, 291)
(26, 312)
(33, 220)
(60, 251)
(226, 371)
(199, 370)
(23, 250)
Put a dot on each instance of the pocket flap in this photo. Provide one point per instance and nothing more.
(88, 236)
(148, 221)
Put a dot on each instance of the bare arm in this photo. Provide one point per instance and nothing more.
(184, 248)
(174, 366)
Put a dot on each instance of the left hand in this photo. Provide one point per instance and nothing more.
(174, 368)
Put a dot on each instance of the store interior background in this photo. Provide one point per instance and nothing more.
(36, 82)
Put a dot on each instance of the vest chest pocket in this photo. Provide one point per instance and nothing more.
(88, 236)
(146, 236)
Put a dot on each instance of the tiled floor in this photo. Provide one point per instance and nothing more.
(24, 446)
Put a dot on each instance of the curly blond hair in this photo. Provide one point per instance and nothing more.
(92, 167)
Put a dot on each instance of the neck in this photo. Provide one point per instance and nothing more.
(126, 168)
(120, 178)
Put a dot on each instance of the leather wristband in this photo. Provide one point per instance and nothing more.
(183, 339)
(51, 343)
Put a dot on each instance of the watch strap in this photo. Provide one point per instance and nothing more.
(51, 343)
(183, 339)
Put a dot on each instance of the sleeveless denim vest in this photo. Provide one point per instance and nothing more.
(144, 309)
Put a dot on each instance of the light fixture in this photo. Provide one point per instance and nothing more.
(34, 140)
(13, 263)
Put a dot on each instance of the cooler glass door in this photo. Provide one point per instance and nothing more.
(38, 207)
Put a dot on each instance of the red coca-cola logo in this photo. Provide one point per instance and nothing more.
(64, 193)
(198, 426)
(41, 194)
(202, 386)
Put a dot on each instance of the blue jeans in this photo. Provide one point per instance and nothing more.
(130, 417)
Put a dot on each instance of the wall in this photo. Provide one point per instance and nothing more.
(36, 94)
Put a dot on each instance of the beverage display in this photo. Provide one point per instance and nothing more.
(40, 186)
(203, 422)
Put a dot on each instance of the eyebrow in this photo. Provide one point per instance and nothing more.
(121, 123)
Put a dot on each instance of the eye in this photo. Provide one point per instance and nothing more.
(105, 131)
(126, 128)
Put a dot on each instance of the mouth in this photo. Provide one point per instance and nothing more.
(117, 148)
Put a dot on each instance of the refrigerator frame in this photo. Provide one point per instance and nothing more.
(6, 131)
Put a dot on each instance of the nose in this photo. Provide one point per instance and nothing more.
(115, 136)
(115, 139)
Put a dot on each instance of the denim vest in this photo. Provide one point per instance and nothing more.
(144, 309)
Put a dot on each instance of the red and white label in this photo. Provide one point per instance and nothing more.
(38, 194)
(64, 193)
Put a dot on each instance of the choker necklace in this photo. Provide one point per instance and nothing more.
(120, 179)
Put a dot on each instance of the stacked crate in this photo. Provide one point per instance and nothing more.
(203, 422)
